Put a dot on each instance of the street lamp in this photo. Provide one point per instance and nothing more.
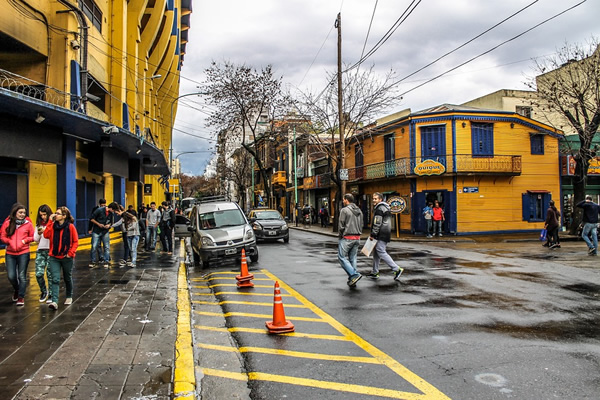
(148, 77)
(192, 152)
(172, 104)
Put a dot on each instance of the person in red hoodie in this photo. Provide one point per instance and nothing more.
(17, 232)
(63, 244)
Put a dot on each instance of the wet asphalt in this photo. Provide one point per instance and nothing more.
(114, 341)
(473, 319)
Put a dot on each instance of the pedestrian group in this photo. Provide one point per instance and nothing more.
(57, 240)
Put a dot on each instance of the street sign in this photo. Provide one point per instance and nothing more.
(344, 174)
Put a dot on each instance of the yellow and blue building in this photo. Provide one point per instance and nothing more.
(88, 93)
(492, 171)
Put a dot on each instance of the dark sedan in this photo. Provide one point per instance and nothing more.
(269, 225)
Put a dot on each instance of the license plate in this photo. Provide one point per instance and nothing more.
(272, 233)
(229, 252)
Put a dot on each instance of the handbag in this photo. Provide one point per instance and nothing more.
(543, 234)
(368, 247)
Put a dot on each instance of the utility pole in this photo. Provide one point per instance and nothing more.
(342, 164)
(295, 180)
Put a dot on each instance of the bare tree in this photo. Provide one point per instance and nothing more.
(197, 186)
(365, 96)
(568, 85)
(246, 101)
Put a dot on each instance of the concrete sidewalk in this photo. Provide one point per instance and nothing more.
(446, 238)
(116, 341)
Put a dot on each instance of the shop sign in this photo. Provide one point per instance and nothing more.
(397, 204)
(471, 189)
(429, 167)
(568, 164)
(147, 189)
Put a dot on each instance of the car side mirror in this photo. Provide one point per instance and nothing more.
(252, 220)
(286, 218)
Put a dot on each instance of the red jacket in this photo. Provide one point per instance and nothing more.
(49, 234)
(14, 244)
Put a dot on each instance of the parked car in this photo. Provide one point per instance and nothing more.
(269, 225)
(219, 231)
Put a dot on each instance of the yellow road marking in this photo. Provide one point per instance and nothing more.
(249, 303)
(232, 285)
(252, 294)
(341, 387)
(425, 387)
(184, 380)
(290, 353)
(241, 314)
(265, 332)
(226, 278)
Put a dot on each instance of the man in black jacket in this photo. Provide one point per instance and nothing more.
(381, 230)
(350, 228)
(590, 219)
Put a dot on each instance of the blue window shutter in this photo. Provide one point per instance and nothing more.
(526, 207)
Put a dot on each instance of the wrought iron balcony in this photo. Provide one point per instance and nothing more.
(317, 181)
(466, 164)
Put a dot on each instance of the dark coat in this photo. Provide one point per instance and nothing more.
(381, 226)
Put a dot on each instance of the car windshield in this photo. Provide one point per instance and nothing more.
(221, 219)
(267, 215)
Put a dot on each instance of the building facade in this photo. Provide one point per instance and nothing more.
(87, 101)
(491, 171)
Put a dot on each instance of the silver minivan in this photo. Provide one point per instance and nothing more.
(219, 231)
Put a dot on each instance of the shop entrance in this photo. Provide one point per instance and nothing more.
(446, 200)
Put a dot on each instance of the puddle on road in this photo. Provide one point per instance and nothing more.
(524, 276)
(588, 289)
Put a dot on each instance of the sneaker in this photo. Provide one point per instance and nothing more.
(132, 266)
(53, 306)
(546, 244)
(15, 296)
(68, 301)
(591, 250)
(373, 275)
(20, 301)
(170, 253)
(429, 236)
(558, 245)
(440, 235)
(352, 282)
(129, 263)
(43, 297)
(122, 263)
(106, 265)
(554, 246)
(49, 299)
(92, 265)
(398, 273)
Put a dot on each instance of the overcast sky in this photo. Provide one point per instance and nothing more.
(297, 37)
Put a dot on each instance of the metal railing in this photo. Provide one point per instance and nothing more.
(465, 164)
(30, 88)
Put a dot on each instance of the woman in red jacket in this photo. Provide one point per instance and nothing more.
(63, 244)
(17, 232)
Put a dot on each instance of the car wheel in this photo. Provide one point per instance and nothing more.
(286, 239)
(196, 257)
(254, 258)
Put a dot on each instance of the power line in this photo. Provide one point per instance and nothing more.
(492, 49)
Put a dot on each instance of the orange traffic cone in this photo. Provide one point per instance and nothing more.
(279, 324)
(244, 280)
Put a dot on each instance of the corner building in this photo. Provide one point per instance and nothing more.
(491, 171)
(87, 98)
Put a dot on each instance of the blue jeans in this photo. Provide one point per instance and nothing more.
(150, 237)
(437, 227)
(429, 226)
(347, 252)
(590, 229)
(133, 241)
(16, 271)
(380, 253)
(56, 265)
(96, 239)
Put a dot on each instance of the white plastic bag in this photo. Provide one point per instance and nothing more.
(368, 247)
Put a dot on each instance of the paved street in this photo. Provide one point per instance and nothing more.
(469, 320)
(472, 318)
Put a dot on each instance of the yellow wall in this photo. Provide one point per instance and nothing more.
(42, 187)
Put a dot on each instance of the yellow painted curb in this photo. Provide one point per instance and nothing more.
(184, 380)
